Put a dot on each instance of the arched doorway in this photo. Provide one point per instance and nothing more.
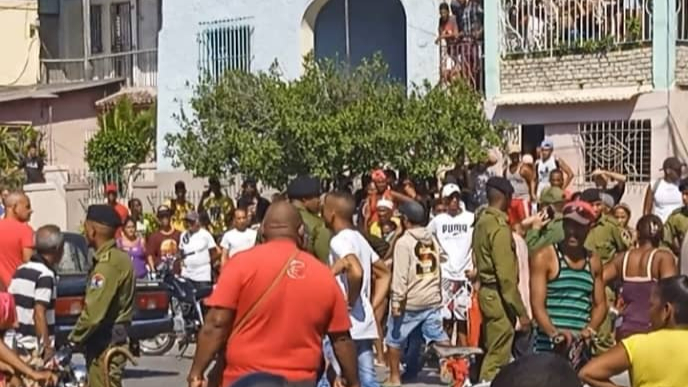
(374, 26)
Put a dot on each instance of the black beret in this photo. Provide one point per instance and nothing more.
(103, 214)
(501, 184)
(304, 187)
(590, 195)
(413, 211)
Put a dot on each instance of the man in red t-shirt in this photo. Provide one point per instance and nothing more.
(111, 196)
(16, 236)
(294, 301)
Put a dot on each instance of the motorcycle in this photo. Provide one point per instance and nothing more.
(72, 375)
(186, 308)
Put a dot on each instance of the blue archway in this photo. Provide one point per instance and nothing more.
(375, 26)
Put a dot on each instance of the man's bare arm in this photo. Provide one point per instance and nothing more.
(345, 352)
(539, 269)
(599, 299)
(647, 202)
(211, 338)
(351, 266)
(568, 172)
(41, 324)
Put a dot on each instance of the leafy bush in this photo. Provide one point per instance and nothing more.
(14, 142)
(329, 122)
(126, 136)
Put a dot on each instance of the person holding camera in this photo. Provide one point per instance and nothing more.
(546, 227)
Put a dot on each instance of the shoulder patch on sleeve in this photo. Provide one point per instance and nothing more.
(97, 281)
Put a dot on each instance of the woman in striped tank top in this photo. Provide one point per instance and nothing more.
(567, 291)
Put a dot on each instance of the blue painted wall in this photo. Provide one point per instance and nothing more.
(374, 26)
(278, 36)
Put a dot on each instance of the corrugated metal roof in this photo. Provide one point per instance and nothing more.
(137, 95)
(44, 91)
(609, 94)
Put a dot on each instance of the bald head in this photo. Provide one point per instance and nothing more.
(18, 206)
(281, 220)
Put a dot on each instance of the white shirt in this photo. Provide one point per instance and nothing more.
(455, 236)
(667, 198)
(196, 248)
(351, 242)
(235, 241)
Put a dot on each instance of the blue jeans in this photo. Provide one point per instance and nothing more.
(399, 329)
(366, 364)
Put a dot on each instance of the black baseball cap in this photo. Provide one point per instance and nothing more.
(413, 211)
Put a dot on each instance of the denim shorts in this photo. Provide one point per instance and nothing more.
(430, 321)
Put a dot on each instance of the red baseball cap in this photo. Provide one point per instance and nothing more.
(580, 212)
(111, 187)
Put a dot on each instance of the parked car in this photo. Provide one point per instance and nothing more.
(152, 302)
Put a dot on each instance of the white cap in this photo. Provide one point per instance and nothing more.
(450, 189)
(384, 203)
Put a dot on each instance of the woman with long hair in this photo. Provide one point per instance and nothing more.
(639, 269)
(134, 245)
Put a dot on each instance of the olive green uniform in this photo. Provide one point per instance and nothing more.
(551, 234)
(675, 228)
(108, 310)
(317, 234)
(605, 239)
(500, 301)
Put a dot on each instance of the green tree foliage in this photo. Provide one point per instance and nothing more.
(14, 142)
(327, 123)
(126, 136)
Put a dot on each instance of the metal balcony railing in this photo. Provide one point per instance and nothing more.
(137, 68)
(560, 26)
(463, 59)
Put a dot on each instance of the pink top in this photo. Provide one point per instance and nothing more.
(523, 272)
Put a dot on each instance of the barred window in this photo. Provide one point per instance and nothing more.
(225, 45)
(618, 146)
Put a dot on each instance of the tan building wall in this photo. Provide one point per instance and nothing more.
(20, 43)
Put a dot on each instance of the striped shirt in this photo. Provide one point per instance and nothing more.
(34, 283)
(569, 300)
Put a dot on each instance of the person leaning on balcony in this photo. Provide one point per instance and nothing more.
(448, 29)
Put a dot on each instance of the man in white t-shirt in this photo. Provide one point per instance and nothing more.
(356, 265)
(240, 237)
(198, 249)
(454, 232)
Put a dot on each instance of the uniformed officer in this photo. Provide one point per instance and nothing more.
(304, 194)
(109, 302)
(676, 225)
(605, 239)
(553, 231)
(500, 301)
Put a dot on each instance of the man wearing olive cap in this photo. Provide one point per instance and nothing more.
(495, 257)
(109, 302)
(304, 194)
(547, 226)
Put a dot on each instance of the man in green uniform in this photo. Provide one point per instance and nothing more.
(109, 302)
(495, 256)
(304, 194)
(677, 225)
(553, 230)
(605, 239)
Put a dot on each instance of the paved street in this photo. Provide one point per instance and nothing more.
(169, 371)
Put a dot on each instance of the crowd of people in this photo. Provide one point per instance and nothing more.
(325, 287)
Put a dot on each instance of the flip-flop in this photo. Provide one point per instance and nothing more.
(386, 383)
